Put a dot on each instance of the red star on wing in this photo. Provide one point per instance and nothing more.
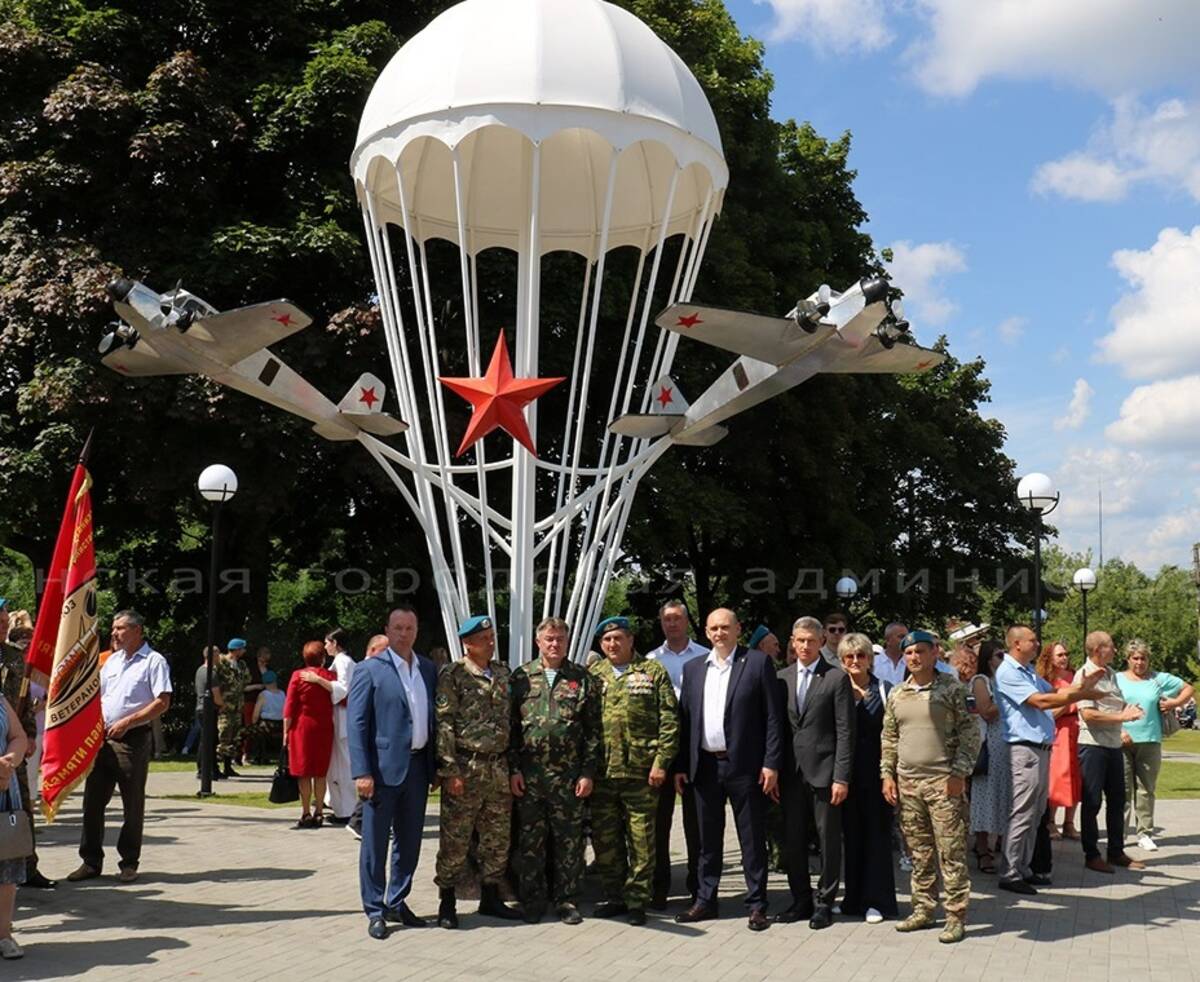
(369, 397)
(690, 321)
(498, 400)
(664, 397)
(923, 364)
(284, 319)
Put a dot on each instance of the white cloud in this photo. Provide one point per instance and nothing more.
(1011, 329)
(1162, 414)
(838, 26)
(1061, 355)
(1079, 408)
(1105, 45)
(1159, 145)
(1156, 327)
(919, 270)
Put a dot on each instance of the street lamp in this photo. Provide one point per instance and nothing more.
(1036, 492)
(846, 588)
(1085, 582)
(217, 484)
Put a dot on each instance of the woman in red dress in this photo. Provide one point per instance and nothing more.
(308, 733)
(1054, 665)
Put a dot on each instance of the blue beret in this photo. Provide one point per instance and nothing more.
(235, 643)
(760, 632)
(473, 625)
(917, 637)
(268, 677)
(3, 602)
(609, 623)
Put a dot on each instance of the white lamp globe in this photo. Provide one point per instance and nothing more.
(217, 483)
(846, 587)
(1036, 492)
(1084, 579)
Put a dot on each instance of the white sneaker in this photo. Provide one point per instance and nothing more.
(1145, 842)
(10, 949)
(873, 916)
(906, 862)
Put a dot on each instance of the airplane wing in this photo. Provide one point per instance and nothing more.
(874, 359)
(237, 334)
(142, 360)
(777, 340)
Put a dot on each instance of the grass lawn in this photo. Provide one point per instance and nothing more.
(247, 799)
(170, 764)
(1178, 780)
(1185, 741)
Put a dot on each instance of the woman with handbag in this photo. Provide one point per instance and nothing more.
(16, 835)
(991, 785)
(1158, 694)
(308, 734)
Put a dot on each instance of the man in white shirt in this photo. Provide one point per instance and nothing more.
(135, 688)
(889, 664)
(677, 650)
(836, 625)
(340, 795)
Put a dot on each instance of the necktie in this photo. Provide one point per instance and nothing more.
(802, 689)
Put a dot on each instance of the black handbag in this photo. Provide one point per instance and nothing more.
(284, 787)
(981, 762)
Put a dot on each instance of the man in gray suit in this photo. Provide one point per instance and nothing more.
(816, 774)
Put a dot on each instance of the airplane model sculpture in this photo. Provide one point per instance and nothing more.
(859, 330)
(177, 333)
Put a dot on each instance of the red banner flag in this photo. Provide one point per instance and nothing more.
(64, 653)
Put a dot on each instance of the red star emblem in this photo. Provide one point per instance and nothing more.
(498, 400)
(923, 364)
(664, 397)
(284, 319)
(690, 321)
(369, 397)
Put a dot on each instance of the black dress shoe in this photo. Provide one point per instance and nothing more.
(609, 908)
(490, 904)
(637, 916)
(377, 929)
(533, 913)
(697, 912)
(569, 914)
(658, 902)
(793, 914)
(1017, 886)
(1034, 880)
(822, 918)
(759, 920)
(39, 882)
(401, 914)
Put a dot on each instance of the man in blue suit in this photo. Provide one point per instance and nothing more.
(390, 717)
(731, 749)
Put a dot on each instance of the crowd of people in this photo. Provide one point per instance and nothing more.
(830, 751)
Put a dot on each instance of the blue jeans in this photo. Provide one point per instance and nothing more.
(193, 735)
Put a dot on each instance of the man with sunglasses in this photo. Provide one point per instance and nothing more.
(836, 624)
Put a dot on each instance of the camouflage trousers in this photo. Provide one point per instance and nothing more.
(933, 827)
(549, 838)
(623, 815)
(229, 732)
(484, 807)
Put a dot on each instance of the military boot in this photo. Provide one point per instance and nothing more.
(918, 920)
(954, 930)
(229, 771)
(490, 904)
(447, 911)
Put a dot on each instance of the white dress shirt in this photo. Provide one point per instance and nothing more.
(131, 682)
(673, 661)
(804, 677)
(418, 698)
(716, 687)
(886, 671)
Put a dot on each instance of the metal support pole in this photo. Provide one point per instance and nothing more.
(208, 733)
(1085, 593)
(1037, 578)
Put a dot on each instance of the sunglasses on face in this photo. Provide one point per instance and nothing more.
(855, 656)
(835, 629)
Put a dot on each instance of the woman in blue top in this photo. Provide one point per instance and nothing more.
(1155, 693)
(12, 871)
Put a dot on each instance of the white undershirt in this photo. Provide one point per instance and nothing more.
(716, 687)
(418, 698)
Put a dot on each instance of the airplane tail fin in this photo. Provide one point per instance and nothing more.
(362, 408)
(667, 408)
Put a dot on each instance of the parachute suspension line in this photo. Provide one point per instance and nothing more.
(470, 299)
(689, 285)
(453, 602)
(552, 601)
(372, 233)
(655, 371)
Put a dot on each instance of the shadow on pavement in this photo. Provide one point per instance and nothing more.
(63, 959)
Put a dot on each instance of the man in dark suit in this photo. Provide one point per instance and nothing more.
(390, 718)
(816, 776)
(730, 750)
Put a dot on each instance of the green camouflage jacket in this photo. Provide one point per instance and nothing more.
(639, 718)
(555, 728)
(927, 730)
(12, 670)
(473, 715)
(231, 677)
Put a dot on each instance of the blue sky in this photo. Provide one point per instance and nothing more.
(1036, 167)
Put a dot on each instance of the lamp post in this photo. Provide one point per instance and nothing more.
(1036, 492)
(1085, 582)
(846, 589)
(217, 484)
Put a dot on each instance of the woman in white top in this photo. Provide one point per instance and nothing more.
(991, 793)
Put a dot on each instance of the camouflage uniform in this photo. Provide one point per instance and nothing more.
(473, 721)
(555, 741)
(639, 721)
(928, 735)
(12, 671)
(231, 677)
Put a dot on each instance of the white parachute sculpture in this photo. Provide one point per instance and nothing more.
(531, 127)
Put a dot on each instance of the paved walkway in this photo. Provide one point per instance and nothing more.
(233, 893)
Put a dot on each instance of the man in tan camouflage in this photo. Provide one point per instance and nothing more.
(230, 678)
(639, 725)
(473, 720)
(930, 743)
(553, 760)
